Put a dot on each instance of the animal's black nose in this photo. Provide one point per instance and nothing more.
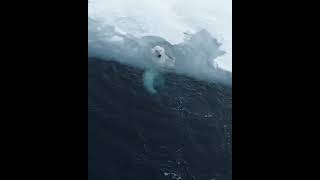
(159, 56)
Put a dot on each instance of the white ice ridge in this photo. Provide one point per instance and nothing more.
(193, 57)
(169, 19)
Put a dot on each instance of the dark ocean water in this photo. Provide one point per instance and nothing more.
(183, 132)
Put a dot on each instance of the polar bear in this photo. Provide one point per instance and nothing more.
(163, 63)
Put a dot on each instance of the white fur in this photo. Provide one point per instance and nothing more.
(160, 57)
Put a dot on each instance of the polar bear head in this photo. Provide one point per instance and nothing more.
(158, 51)
(158, 55)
